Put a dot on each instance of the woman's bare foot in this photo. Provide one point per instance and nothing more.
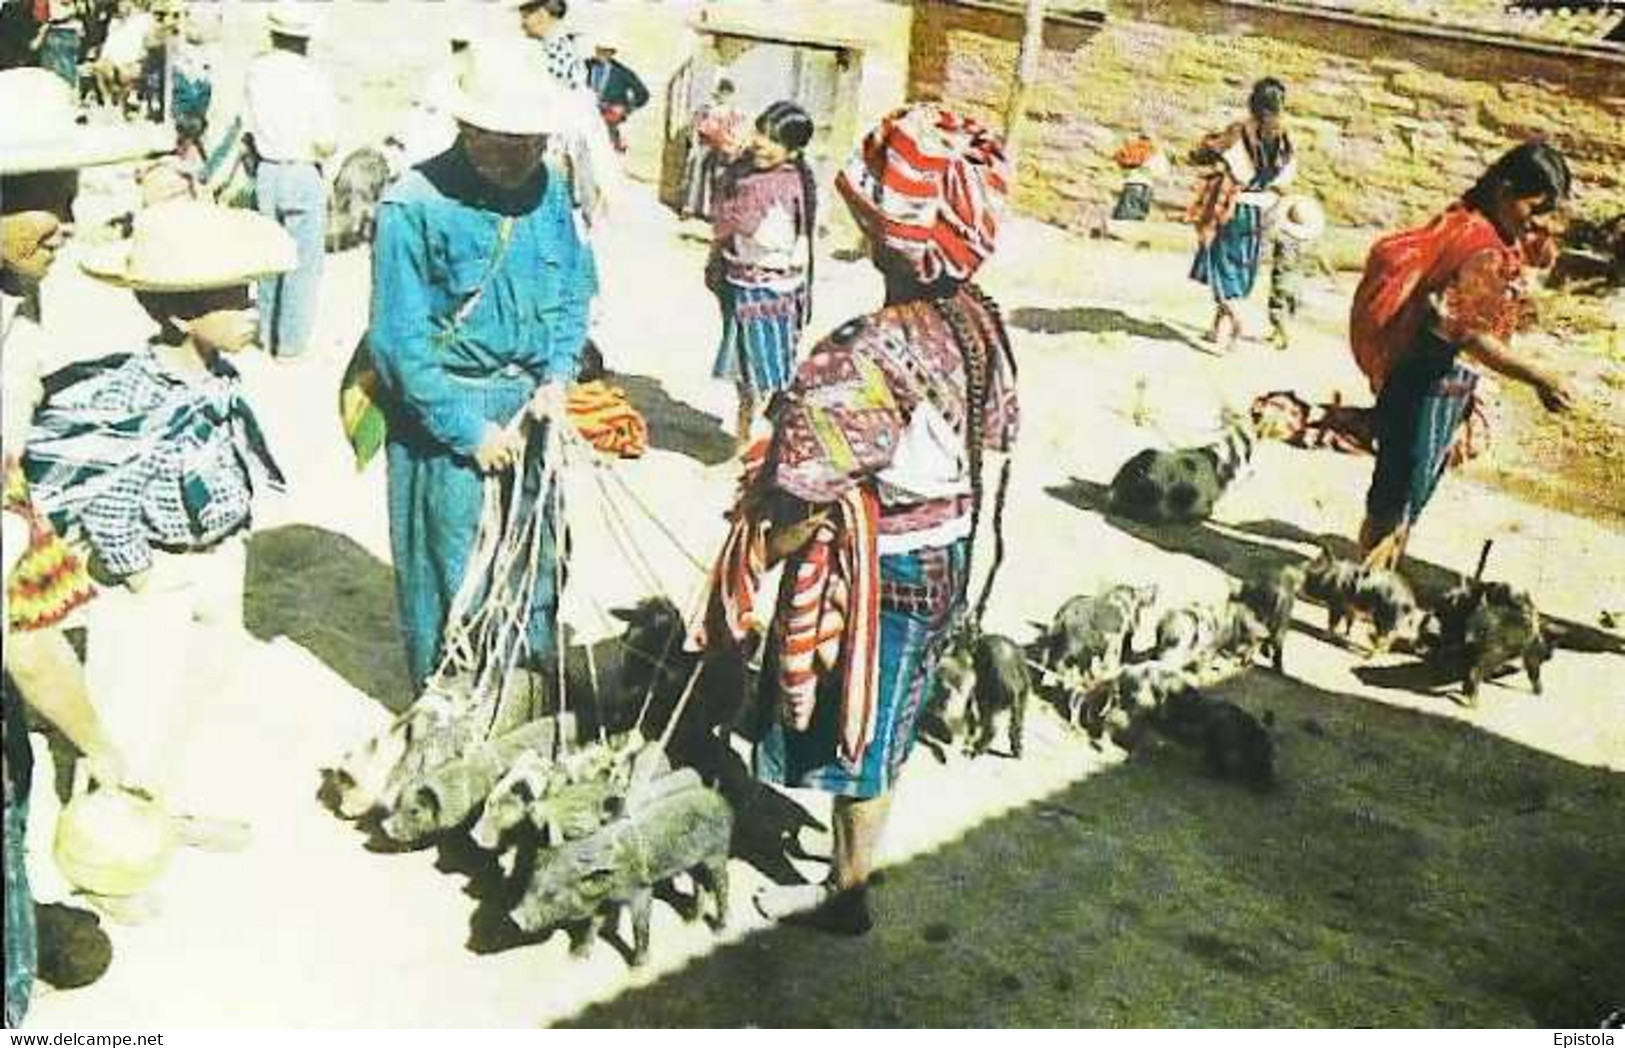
(780, 901)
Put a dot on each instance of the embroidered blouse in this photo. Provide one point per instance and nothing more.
(883, 401)
(760, 228)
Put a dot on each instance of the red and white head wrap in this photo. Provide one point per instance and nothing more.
(930, 183)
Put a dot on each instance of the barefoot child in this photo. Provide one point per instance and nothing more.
(151, 459)
(1298, 222)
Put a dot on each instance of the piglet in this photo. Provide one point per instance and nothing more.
(999, 694)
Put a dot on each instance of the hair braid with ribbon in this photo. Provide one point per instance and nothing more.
(976, 348)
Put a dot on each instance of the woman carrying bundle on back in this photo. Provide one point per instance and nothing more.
(761, 264)
(1435, 302)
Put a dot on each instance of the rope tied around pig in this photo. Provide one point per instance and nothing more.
(487, 635)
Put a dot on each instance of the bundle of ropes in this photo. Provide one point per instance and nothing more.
(483, 706)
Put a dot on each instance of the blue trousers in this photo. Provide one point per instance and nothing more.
(435, 499)
(296, 196)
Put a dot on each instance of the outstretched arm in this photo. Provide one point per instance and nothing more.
(1498, 357)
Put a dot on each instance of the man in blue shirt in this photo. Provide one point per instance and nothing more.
(481, 289)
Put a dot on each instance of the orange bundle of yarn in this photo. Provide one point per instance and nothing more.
(606, 418)
(1135, 153)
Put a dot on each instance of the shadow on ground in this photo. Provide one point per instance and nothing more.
(1237, 552)
(330, 596)
(1097, 320)
(1410, 871)
(674, 425)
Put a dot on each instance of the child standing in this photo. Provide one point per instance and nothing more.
(1299, 221)
(151, 459)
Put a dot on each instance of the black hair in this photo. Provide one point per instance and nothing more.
(39, 191)
(1535, 168)
(166, 307)
(980, 333)
(787, 124)
(556, 8)
(1268, 98)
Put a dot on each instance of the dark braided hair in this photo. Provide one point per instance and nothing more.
(976, 345)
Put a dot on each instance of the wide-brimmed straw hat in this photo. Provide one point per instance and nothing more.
(1301, 218)
(506, 88)
(190, 245)
(40, 132)
(292, 18)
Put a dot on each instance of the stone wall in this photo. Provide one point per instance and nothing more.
(1389, 124)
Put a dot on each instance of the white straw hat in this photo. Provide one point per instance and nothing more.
(1310, 222)
(40, 132)
(506, 88)
(190, 245)
(293, 18)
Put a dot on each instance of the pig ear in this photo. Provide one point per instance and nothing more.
(627, 615)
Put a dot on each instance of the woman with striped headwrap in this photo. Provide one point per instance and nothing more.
(870, 490)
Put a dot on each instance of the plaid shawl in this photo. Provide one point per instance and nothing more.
(130, 454)
(827, 611)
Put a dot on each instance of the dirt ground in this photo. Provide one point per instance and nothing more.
(1422, 863)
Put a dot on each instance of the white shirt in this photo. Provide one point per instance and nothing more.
(21, 344)
(126, 42)
(290, 109)
(774, 245)
(929, 464)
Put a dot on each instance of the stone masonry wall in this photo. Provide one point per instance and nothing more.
(1389, 125)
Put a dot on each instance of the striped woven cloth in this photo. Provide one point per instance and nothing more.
(930, 183)
(607, 420)
(50, 580)
(827, 612)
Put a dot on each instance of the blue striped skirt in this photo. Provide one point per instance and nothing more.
(1418, 419)
(1229, 266)
(913, 633)
(761, 329)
